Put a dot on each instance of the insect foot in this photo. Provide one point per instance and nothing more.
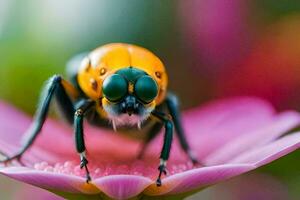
(83, 164)
(8, 159)
(162, 170)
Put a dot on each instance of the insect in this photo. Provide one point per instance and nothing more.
(115, 86)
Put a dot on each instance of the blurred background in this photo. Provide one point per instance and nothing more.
(211, 49)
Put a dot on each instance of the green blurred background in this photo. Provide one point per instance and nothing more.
(208, 47)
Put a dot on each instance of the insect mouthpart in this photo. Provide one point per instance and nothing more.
(130, 105)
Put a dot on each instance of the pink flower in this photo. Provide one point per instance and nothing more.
(246, 187)
(230, 136)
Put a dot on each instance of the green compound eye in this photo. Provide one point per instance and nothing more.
(114, 87)
(146, 88)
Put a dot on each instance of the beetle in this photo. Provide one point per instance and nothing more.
(115, 86)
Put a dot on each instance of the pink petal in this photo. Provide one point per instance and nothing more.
(12, 135)
(226, 118)
(213, 117)
(280, 125)
(266, 154)
(122, 186)
(197, 179)
(33, 155)
(57, 139)
(48, 180)
(216, 125)
(9, 117)
(98, 140)
(211, 126)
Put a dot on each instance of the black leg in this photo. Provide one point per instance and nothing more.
(165, 152)
(50, 89)
(172, 104)
(151, 134)
(82, 108)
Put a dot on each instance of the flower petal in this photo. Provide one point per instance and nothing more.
(227, 118)
(114, 186)
(122, 186)
(56, 142)
(280, 125)
(211, 126)
(12, 135)
(218, 123)
(270, 152)
(50, 181)
(197, 179)
(9, 116)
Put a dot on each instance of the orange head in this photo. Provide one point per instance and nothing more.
(132, 68)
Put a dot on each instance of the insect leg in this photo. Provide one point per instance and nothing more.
(50, 89)
(172, 104)
(152, 133)
(165, 152)
(79, 136)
